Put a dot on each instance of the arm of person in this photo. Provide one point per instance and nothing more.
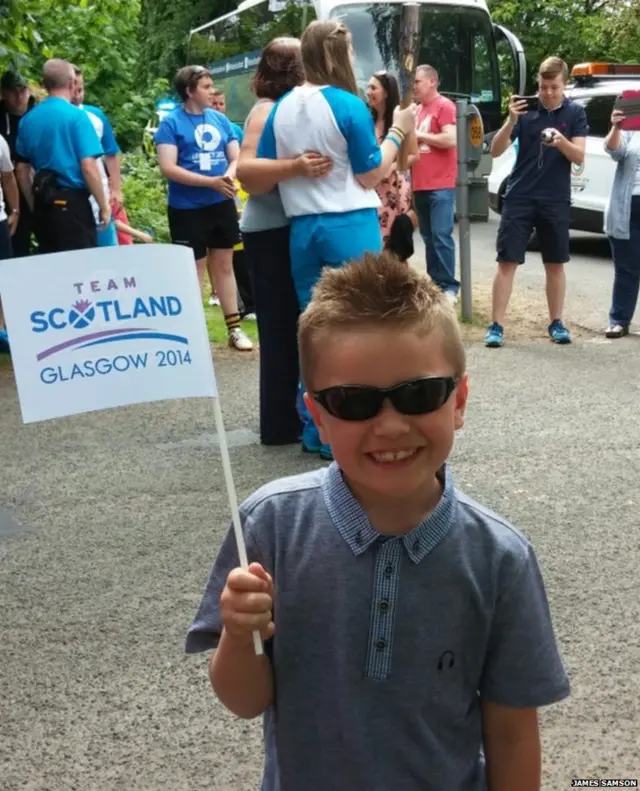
(616, 142)
(9, 186)
(242, 680)
(93, 180)
(232, 151)
(522, 672)
(235, 602)
(111, 158)
(24, 174)
(12, 195)
(112, 162)
(168, 162)
(510, 130)
(446, 138)
(502, 139)
(572, 149)
(414, 153)
(371, 163)
(511, 743)
(259, 169)
(141, 236)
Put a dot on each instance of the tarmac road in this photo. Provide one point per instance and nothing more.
(109, 523)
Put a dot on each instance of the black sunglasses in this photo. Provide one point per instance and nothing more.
(361, 402)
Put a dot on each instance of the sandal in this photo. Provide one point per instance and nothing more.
(617, 331)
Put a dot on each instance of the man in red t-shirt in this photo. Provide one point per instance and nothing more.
(433, 178)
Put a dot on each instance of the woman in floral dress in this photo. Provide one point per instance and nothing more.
(395, 191)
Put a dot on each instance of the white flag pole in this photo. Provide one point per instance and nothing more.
(233, 503)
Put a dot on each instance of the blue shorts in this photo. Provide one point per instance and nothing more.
(108, 237)
(320, 240)
(550, 220)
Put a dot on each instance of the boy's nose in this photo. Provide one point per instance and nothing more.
(389, 422)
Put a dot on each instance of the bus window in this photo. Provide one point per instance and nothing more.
(457, 40)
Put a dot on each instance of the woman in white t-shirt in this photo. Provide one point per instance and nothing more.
(334, 219)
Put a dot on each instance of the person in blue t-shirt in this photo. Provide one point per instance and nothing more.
(59, 143)
(550, 139)
(110, 167)
(198, 153)
(219, 103)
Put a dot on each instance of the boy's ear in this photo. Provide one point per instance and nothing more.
(461, 396)
(317, 414)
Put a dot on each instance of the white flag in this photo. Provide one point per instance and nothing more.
(106, 327)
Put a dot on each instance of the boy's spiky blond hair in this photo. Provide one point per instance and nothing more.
(378, 291)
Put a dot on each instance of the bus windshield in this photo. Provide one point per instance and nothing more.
(456, 40)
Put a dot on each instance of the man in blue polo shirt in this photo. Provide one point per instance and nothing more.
(110, 167)
(59, 143)
(550, 138)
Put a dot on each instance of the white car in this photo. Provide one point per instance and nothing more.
(595, 86)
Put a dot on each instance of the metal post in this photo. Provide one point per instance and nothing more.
(462, 208)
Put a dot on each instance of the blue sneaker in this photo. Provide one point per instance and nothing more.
(494, 337)
(558, 332)
(4, 342)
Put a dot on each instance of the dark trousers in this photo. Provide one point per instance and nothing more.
(6, 248)
(243, 282)
(277, 312)
(626, 265)
(64, 223)
(21, 239)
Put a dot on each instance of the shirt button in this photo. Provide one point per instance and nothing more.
(359, 538)
(388, 571)
(384, 605)
(416, 545)
(381, 644)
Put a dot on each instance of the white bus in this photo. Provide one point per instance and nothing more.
(458, 38)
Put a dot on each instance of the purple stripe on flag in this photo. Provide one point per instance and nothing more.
(81, 338)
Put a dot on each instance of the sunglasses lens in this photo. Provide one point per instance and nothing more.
(418, 397)
(422, 395)
(351, 403)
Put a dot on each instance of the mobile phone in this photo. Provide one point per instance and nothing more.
(629, 103)
(533, 102)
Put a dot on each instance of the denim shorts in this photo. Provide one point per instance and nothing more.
(550, 220)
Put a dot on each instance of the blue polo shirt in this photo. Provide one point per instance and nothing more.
(239, 132)
(201, 141)
(540, 172)
(385, 646)
(57, 136)
(103, 128)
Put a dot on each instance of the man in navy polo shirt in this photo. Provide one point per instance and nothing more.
(550, 139)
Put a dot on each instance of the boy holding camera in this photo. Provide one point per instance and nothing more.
(551, 131)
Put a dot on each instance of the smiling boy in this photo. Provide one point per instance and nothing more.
(408, 641)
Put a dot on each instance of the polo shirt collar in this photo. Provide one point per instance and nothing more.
(351, 521)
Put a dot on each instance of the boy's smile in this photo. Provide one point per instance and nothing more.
(393, 455)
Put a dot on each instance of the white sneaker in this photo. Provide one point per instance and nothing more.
(249, 317)
(239, 340)
(213, 301)
(452, 297)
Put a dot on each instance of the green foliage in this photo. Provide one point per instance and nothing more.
(144, 196)
(575, 30)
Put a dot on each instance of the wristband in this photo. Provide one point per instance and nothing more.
(398, 132)
(394, 140)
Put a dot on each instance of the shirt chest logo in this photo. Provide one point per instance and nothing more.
(207, 137)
